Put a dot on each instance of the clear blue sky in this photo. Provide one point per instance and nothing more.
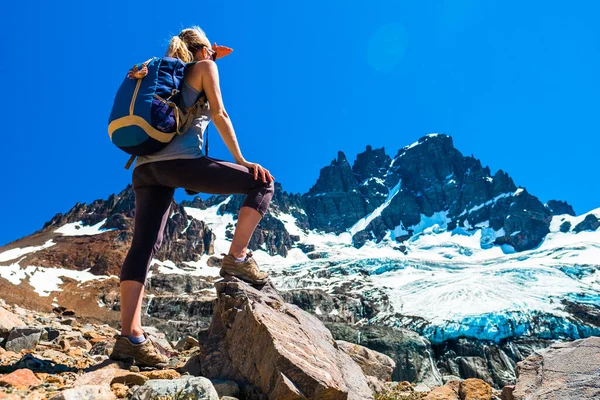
(514, 83)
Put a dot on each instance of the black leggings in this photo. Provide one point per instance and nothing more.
(154, 184)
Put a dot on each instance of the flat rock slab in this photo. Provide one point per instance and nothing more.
(564, 371)
(256, 337)
(89, 392)
(198, 388)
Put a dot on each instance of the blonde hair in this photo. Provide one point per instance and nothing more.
(185, 45)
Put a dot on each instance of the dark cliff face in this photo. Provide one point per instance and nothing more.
(334, 203)
(558, 207)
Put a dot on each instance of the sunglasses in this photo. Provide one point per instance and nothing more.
(211, 52)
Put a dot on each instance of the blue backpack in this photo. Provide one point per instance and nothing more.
(146, 114)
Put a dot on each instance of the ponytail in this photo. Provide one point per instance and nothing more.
(178, 49)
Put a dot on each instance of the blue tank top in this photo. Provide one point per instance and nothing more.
(189, 144)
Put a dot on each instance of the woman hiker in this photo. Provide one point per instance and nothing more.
(182, 164)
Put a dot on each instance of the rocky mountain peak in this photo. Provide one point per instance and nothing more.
(559, 207)
(371, 164)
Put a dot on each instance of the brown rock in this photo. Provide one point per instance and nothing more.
(75, 352)
(372, 362)
(99, 377)
(8, 321)
(64, 344)
(82, 344)
(120, 391)
(186, 343)
(128, 378)
(442, 393)
(292, 354)
(475, 389)
(20, 379)
(507, 393)
(59, 380)
(454, 385)
(161, 374)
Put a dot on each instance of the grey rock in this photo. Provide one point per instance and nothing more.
(88, 392)
(564, 371)
(198, 388)
(565, 227)
(590, 223)
(226, 388)
(408, 349)
(23, 338)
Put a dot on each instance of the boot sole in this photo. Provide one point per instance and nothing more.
(224, 274)
(131, 360)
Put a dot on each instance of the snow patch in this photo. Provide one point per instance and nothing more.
(78, 229)
(18, 252)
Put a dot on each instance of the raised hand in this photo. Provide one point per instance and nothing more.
(222, 51)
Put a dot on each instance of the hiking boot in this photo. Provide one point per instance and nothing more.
(144, 354)
(246, 270)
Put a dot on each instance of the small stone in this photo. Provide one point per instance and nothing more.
(20, 379)
(120, 390)
(102, 348)
(82, 344)
(23, 338)
(98, 377)
(403, 386)
(129, 378)
(50, 334)
(68, 313)
(55, 379)
(8, 321)
(64, 344)
(85, 392)
(195, 388)
(58, 310)
(475, 389)
(226, 388)
(186, 343)
(161, 374)
(421, 387)
(134, 368)
(442, 393)
(68, 321)
(75, 352)
(42, 376)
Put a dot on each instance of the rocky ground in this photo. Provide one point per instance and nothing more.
(256, 347)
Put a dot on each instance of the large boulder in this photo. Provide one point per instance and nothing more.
(256, 338)
(564, 371)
